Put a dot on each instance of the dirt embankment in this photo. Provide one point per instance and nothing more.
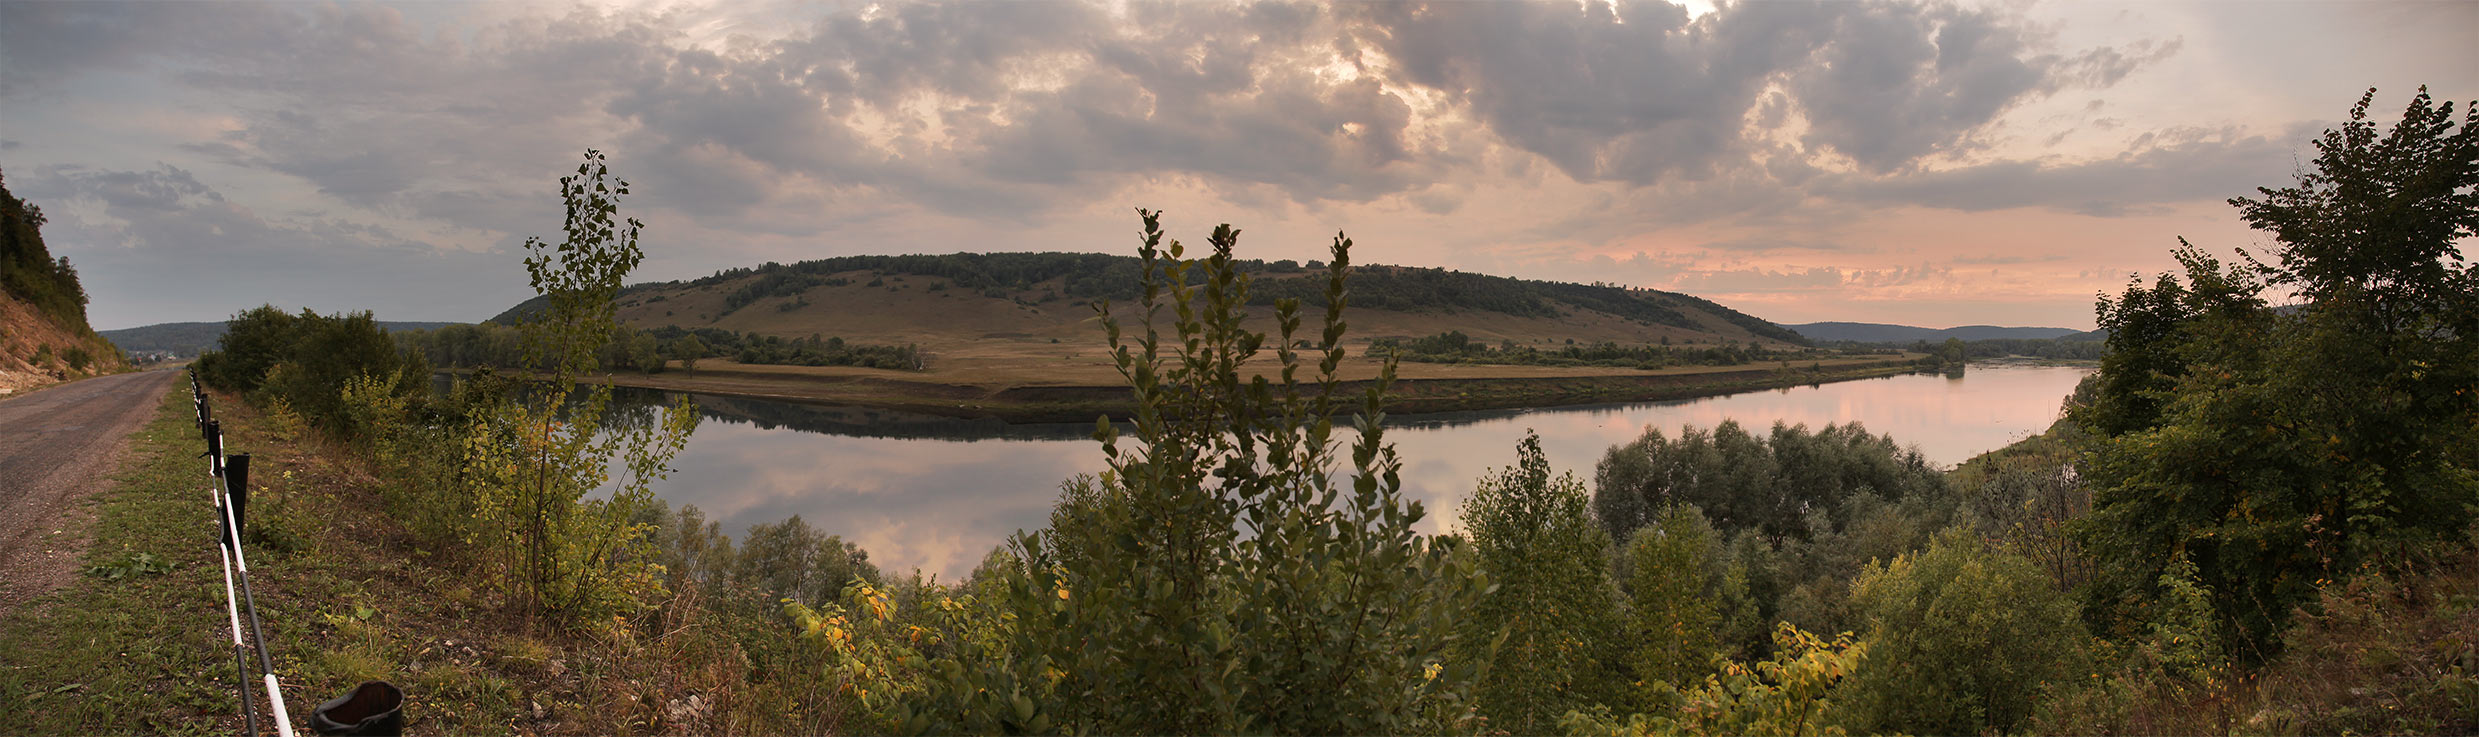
(37, 352)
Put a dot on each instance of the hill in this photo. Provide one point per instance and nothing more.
(44, 337)
(945, 301)
(1870, 332)
(186, 339)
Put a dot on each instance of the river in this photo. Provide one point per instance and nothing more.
(935, 494)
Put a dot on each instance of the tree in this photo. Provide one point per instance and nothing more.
(535, 464)
(1962, 640)
(645, 353)
(1220, 577)
(1745, 481)
(1553, 615)
(29, 272)
(688, 349)
(2278, 449)
(1671, 567)
(1793, 693)
(305, 359)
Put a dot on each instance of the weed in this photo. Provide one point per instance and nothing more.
(130, 564)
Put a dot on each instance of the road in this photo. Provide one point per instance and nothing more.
(58, 446)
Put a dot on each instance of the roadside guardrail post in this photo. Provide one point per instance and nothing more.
(215, 448)
(237, 492)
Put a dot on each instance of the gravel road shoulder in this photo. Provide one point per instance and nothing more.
(58, 448)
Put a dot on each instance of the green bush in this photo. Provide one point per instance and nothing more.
(307, 359)
(1962, 640)
(1553, 618)
(1216, 579)
(533, 466)
(2278, 449)
(1670, 568)
(1746, 481)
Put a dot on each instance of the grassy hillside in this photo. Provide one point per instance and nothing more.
(185, 339)
(950, 300)
(44, 337)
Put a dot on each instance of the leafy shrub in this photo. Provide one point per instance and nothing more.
(1670, 568)
(1962, 640)
(2276, 449)
(305, 359)
(1745, 481)
(1792, 693)
(531, 464)
(1553, 618)
(1216, 579)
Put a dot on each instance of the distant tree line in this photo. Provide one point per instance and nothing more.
(2077, 347)
(302, 362)
(1454, 346)
(651, 351)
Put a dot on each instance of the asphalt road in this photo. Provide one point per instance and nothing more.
(58, 446)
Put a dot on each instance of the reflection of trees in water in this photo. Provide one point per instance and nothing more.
(633, 405)
(864, 422)
(768, 414)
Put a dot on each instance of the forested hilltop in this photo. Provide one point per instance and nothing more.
(43, 332)
(1038, 293)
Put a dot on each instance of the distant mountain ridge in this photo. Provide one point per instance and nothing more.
(964, 297)
(1872, 332)
(186, 339)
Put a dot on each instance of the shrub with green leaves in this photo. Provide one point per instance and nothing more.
(533, 462)
(1744, 480)
(1553, 618)
(1963, 640)
(2277, 449)
(1217, 578)
(1795, 692)
(1671, 567)
(306, 359)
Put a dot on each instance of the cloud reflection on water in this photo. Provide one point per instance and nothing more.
(940, 504)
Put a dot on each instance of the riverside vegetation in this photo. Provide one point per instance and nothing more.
(2250, 520)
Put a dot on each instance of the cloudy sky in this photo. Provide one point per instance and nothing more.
(1923, 163)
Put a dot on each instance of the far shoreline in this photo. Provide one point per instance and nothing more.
(1079, 403)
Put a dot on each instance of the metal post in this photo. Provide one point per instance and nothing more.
(237, 492)
(214, 450)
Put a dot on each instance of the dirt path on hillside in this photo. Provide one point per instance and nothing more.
(58, 447)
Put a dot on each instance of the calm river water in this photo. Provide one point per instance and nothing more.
(936, 494)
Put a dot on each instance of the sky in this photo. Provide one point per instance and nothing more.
(1921, 163)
